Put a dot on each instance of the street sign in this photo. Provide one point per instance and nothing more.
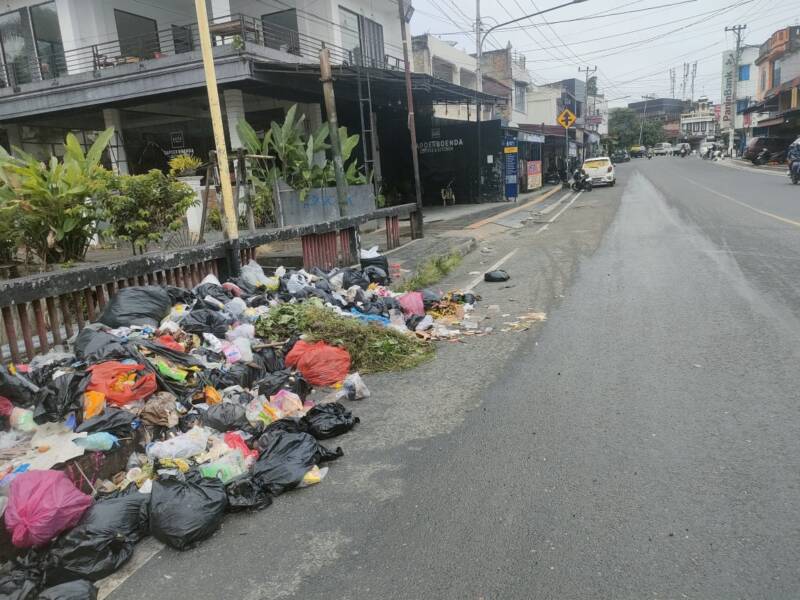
(511, 153)
(567, 118)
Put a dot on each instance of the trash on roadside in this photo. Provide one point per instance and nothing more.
(497, 276)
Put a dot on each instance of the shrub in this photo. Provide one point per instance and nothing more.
(184, 165)
(146, 206)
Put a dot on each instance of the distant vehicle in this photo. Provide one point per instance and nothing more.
(620, 156)
(638, 151)
(600, 170)
(663, 149)
(775, 147)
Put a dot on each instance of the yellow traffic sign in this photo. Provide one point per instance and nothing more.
(567, 118)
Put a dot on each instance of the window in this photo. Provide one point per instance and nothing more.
(182, 39)
(744, 72)
(17, 46)
(703, 126)
(519, 96)
(776, 73)
(763, 84)
(363, 38)
(741, 105)
(281, 31)
(138, 36)
(47, 38)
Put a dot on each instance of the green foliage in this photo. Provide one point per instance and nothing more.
(295, 155)
(214, 218)
(623, 128)
(372, 347)
(184, 165)
(146, 206)
(53, 205)
(431, 272)
(9, 236)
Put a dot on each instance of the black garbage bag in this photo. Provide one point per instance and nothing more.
(116, 421)
(380, 262)
(377, 275)
(189, 420)
(145, 305)
(73, 590)
(205, 320)
(286, 459)
(284, 425)
(215, 291)
(353, 277)
(61, 396)
(92, 345)
(329, 420)
(244, 494)
(430, 297)
(226, 416)
(20, 391)
(102, 542)
(17, 586)
(272, 360)
(184, 511)
(497, 276)
(179, 295)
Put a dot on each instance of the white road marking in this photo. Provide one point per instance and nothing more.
(503, 260)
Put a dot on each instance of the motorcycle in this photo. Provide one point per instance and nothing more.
(581, 181)
(761, 158)
(794, 172)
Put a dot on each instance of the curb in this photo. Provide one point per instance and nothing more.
(516, 209)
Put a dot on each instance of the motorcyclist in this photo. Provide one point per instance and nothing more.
(793, 157)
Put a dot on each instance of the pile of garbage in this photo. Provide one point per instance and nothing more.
(178, 406)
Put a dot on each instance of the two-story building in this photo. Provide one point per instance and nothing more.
(743, 77)
(777, 110)
(700, 125)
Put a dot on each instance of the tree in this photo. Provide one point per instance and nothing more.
(624, 125)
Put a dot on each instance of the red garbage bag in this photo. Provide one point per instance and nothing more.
(319, 363)
(121, 383)
(42, 504)
(412, 304)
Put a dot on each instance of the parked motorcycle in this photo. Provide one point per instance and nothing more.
(761, 158)
(581, 181)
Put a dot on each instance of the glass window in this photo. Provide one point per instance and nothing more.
(763, 85)
(362, 37)
(776, 73)
(744, 72)
(17, 47)
(47, 36)
(138, 36)
(182, 39)
(280, 31)
(519, 97)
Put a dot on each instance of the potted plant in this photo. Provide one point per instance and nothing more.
(184, 168)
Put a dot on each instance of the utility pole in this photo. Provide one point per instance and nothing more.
(333, 122)
(416, 217)
(478, 90)
(586, 70)
(737, 30)
(672, 82)
(644, 116)
(231, 218)
(685, 79)
(694, 76)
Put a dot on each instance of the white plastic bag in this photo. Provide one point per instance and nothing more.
(353, 388)
(186, 445)
(253, 275)
(371, 253)
(236, 307)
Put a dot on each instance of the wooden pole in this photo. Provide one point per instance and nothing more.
(333, 121)
(231, 218)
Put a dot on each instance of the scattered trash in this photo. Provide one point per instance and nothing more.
(329, 420)
(496, 276)
(319, 363)
(286, 459)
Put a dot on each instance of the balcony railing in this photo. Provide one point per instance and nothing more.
(235, 30)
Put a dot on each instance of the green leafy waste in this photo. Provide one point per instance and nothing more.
(430, 272)
(372, 347)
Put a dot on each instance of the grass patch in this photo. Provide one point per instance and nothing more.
(373, 348)
(431, 272)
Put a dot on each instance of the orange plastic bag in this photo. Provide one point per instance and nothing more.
(319, 363)
(93, 404)
(121, 383)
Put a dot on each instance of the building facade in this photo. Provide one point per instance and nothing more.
(700, 125)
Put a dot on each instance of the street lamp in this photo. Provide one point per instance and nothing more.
(479, 77)
(644, 116)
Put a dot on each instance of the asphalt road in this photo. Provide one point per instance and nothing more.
(641, 443)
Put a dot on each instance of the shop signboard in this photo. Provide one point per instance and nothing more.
(510, 155)
(534, 174)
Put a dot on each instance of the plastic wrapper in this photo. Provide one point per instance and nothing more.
(253, 275)
(93, 404)
(72, 590)
(100, 441)
(186, 511)
(121, 383)
(225, 468)
(288, 404)
(329, 420)
(146, 305)
(102, 542)
(353, 388)
(286, 458)
(21, 419)
(42, 504)
(319, 363)
(186, 445)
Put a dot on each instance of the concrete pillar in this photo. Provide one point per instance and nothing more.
(14, 133)
(234, 111)
(119, 159)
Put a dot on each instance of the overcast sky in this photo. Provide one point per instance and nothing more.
(637, 49)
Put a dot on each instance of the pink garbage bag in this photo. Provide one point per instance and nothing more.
(412, 304)
(42, 504)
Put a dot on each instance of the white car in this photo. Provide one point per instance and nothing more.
(601, 170)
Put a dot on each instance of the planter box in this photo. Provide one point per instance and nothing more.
(194, 214)
(320, 205)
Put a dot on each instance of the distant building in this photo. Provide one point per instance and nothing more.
(509, 68)
(744, 74)
(665, 110)
(699, 126)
